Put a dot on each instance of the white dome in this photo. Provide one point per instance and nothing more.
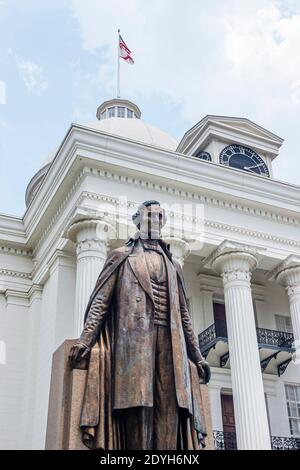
(137, 130)
(128, 126)
(49, 158)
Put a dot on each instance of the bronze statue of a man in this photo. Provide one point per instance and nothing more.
(145, 366)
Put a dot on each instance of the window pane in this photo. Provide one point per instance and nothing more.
(289, 325)
(293, 409)
(111, 112)
(290, 393)
(283, 323)
(129, 113)
(121, 111)
(295, 427)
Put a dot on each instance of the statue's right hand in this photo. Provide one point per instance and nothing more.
(77, 352)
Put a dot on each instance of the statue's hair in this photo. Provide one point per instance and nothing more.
(150, 202)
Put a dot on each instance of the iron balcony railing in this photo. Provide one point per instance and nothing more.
(224, 440)
(227, 441)
(278, 339)
(285, 443)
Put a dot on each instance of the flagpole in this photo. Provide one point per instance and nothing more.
(118, 74)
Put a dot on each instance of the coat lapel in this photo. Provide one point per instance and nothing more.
(139, 267)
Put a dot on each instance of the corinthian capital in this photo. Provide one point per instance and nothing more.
(179, 248)
(91, 235)
(287, 274)
(233, 261)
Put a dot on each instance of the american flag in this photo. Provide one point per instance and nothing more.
(124, 52)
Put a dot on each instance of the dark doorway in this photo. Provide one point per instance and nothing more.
(228, 422)
(220, 320)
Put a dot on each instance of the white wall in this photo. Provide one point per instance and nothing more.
(14, 329)
(56, 324)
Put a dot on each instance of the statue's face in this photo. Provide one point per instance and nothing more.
(151, 221)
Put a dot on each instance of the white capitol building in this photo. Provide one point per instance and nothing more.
(233, 227)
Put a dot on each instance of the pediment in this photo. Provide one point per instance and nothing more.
(230, 128)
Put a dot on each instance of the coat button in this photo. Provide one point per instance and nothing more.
(138, 299)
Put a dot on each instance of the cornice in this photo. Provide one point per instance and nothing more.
(59, 210)
(223, 126)
(132, 204)
(221, 201)
(176, 168)
(252, 233)
(207, 223)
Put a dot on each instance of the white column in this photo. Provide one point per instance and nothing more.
(91, 238)
(235, 262)
(179, 248)
(287, 274)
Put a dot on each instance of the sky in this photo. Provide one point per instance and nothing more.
(58, 62)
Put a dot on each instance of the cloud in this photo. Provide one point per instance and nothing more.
(184, 50)
(32, 74)
(233, 58)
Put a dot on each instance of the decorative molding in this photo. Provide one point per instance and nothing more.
(208, 223)
(174, 191)
(252, 233)
(236, 206)
(23, 298)
(13, 250)
(17, 298)
(18, 274)
(236, 274)
(205, 199)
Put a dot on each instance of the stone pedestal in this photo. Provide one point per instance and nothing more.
(65, 402)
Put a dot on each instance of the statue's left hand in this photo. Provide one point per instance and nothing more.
(204, 371)
(77, 352)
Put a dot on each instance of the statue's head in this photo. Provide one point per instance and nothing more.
(149, 219)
